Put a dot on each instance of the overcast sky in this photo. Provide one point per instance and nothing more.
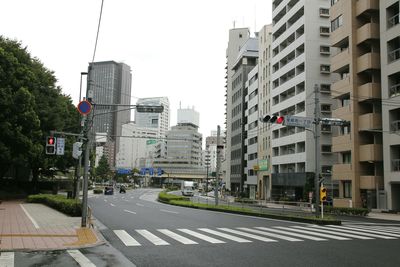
(175, 48)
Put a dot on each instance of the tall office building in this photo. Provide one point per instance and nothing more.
(355, 32)
(211, 150)
(264, 108)
(110, 83)
(188, 115)
(390, 68)
(161, 121)
(300, 60)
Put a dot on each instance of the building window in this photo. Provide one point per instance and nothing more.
(324, 31)
(323, 12)
(393, 47)
(325, 69)
(325, 88)
(326, 149)
(394, 84)
(392, 13)
(336, 23)
(347, 189)
(334, 2)
(325, 50)
(346, 157)
(325, 108)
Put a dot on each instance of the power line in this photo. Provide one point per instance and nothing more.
(98, 30)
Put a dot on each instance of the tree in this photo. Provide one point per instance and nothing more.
(103, 171)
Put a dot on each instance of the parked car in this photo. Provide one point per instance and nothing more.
(108, 190)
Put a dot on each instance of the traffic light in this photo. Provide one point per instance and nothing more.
(273, 119)
(322, 194)
(50, 145)
(76, 150)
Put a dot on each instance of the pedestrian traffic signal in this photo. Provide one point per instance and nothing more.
(273, 119)
(50, 145)
(76, 150)
(322, 193)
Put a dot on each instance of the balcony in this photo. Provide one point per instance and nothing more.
(368, 61)
(342, 172)
(370, 152)
(344, 113)
(370, 121)
(366, 5)
(340, 60)
(370, 181)
(369, 91)
(367, 32)
(340, 87)
(341, 143)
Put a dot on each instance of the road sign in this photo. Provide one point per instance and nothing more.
(60, 145)
(84, 107)
(334, 122)
(149, 109)
(151, 142)
(124, 171)
(305, 122)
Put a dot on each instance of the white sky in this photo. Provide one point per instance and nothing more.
(175, 48)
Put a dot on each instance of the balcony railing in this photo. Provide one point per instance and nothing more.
(396, 165)
(392, 21)
(394, 55)
(395, 126)
(394, 90)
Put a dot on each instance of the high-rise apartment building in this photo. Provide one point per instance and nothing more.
(355, 32)
(264, 108)
(300, 60)
(237, 37)
(110, 83)
(161, 121)
(390, 84)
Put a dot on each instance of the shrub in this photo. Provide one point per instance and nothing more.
(164, 197)
(98, 190)
(347, 211)
(245, 200)
(61, 203)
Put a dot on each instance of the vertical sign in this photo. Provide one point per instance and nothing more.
(60, 144)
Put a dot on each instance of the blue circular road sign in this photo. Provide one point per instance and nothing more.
(84, 107)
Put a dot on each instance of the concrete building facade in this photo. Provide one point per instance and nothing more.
(160, 121)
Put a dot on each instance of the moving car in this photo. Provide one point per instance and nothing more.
(108, 190)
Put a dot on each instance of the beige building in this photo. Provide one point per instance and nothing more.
(359, 169)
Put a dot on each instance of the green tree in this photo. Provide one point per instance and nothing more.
(103, 171)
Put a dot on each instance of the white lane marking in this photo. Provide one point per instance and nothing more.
(131, 197)
(126, 238)
(248, 235)
(227, 236)
(112, 204)
(105, 200)
(152, 238)
(291, 239)
(80, 258)
(177, 237)
(360, 232)
(140, 205)
(169, 211)
(331, 231)
(313, 233)
(130, 211)
(7, 259)
(30, 217)
(127, 200)
(376, 228)
(201, 236)
(292, 234)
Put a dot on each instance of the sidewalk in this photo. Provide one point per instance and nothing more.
(29, 226)
(384, 216)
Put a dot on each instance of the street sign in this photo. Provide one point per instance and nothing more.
(124, 171)
(84, 107)
(159, 171)
(60, 145)
(151, 142)
(149, 109)
(334, 122)
(305, 122)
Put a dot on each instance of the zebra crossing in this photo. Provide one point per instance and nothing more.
(223, 235)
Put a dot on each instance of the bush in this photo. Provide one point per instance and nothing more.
(245, 200)
(347, 211)
(164, 197)
(61, 203)
(98, 190)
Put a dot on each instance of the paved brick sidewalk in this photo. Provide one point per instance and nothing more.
(26, 226)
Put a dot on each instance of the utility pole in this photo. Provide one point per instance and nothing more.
(317, 134)
(218, 166)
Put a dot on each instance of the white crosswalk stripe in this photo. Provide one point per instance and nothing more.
(360, 231)
(201, 236)
(177, 237)
(292, 234)
(313, 233)
(152, 238)
(248, 235)
(291, 239)
(7, 259)
(80, 258)
(224, 235)
(378, 228)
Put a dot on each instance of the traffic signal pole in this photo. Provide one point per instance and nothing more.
(317, 134)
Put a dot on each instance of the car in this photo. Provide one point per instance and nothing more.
(108, 190)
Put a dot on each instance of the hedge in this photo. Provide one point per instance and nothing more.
(98, 190)
(164, 197)
(346, 211)
(61, 203)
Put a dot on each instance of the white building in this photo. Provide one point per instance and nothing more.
(211, 150)
(187, 115)
(300, 59)
(161, 121)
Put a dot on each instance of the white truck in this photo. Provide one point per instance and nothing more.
(187, 188)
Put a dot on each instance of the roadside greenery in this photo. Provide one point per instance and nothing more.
(70, 207)
(347, 211)
(98, 190)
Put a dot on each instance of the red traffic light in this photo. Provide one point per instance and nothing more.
(280, 120)
(50, 140)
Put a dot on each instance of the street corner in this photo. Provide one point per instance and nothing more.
(86, 237)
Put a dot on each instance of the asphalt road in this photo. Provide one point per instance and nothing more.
(149, 233)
